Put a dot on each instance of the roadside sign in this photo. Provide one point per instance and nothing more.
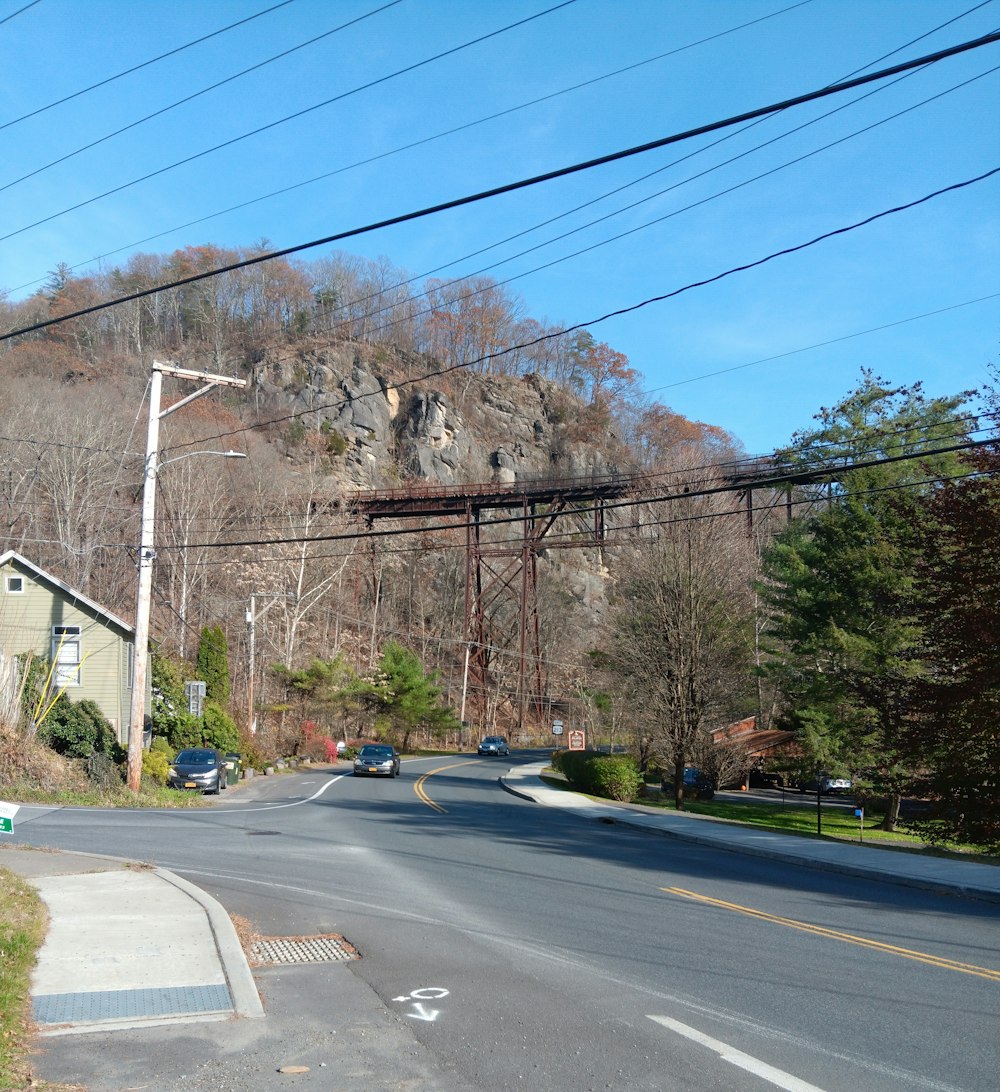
(577, 739)
(7, 813)
(557, 727)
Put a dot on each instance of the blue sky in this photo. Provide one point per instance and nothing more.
(706, 353)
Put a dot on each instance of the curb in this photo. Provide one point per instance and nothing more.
(242, 988)
(609, 812)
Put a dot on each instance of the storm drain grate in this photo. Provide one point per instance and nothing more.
(321, 949)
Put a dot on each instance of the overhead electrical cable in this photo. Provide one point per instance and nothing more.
(533, 180)
(902, 439)
(198, 94)
(818, 345)
(410, 315)
(284, 120)
(144, 64)
(564, 541)
(668, 166)
(564, 330)
(778, 478)
(425, 140)
(20, 11)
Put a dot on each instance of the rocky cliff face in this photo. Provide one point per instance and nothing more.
(385, 433)
(491, 430)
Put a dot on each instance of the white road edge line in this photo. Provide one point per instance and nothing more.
(727, 1053)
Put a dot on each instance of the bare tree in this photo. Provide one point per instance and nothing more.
(680, 629)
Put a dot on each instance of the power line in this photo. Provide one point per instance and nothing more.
(410, 316)
(198, 94)
(136, 68)
(20, 11)
(284, 120)
(525, 183)
(563, 331)
(668, 166)
(778, 478)
(820, 344)
(436, 136)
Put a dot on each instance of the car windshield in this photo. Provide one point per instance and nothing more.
(376, 752)
(492, 739)
(195, 758)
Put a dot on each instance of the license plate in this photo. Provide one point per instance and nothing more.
(373, 769)
(190, 785)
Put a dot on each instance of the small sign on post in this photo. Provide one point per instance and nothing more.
(557, 727)
(577, 739)
(7, 813)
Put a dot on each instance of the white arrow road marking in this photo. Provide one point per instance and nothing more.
(766, 1072)
(424, 1014)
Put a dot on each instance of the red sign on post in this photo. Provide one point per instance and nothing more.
(577, 739)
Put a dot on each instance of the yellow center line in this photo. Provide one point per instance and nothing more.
(418, 786)
(835, 934)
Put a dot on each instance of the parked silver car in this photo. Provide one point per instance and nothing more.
(377, 760)
(199, 768)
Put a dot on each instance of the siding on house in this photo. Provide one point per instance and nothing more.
(35, 606)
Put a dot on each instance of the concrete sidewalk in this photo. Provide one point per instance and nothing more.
(912, 869)
(129, 946)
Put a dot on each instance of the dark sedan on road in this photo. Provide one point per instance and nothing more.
(377, 760)
(199, 768)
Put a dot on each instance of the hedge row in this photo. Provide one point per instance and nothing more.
(616, 777)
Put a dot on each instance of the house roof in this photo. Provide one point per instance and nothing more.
(77, 596)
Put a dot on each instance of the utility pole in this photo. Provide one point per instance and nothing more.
(147, 553)
(251, 616)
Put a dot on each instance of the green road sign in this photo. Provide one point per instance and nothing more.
(6, 825)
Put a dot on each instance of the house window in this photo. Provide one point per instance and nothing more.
(66, 655)
(15, 585)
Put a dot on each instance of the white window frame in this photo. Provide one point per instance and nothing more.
(11, 580)
(67, 656)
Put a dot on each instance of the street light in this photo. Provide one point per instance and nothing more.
(140, 655)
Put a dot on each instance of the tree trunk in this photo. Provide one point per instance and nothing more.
(679, 784)
(891, 812)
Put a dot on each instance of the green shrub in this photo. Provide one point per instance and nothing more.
(155, 765)
(219, 729)
(616, 777)
(162, 746)
(186, 731)
(78, 730)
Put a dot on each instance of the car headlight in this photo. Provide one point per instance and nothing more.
(171, 772)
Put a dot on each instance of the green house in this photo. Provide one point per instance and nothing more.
(91, 648)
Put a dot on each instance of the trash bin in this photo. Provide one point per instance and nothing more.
(234, 762)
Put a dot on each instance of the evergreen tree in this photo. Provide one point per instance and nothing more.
(213, 664)
(846, 614)
(405, 697)
(957, 735)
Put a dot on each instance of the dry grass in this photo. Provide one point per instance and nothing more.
(247, 935)
(24, 762)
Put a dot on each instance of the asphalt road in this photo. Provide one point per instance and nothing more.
(506, 945)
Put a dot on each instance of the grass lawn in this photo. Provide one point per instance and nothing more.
(22, 929)
(838, 823)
